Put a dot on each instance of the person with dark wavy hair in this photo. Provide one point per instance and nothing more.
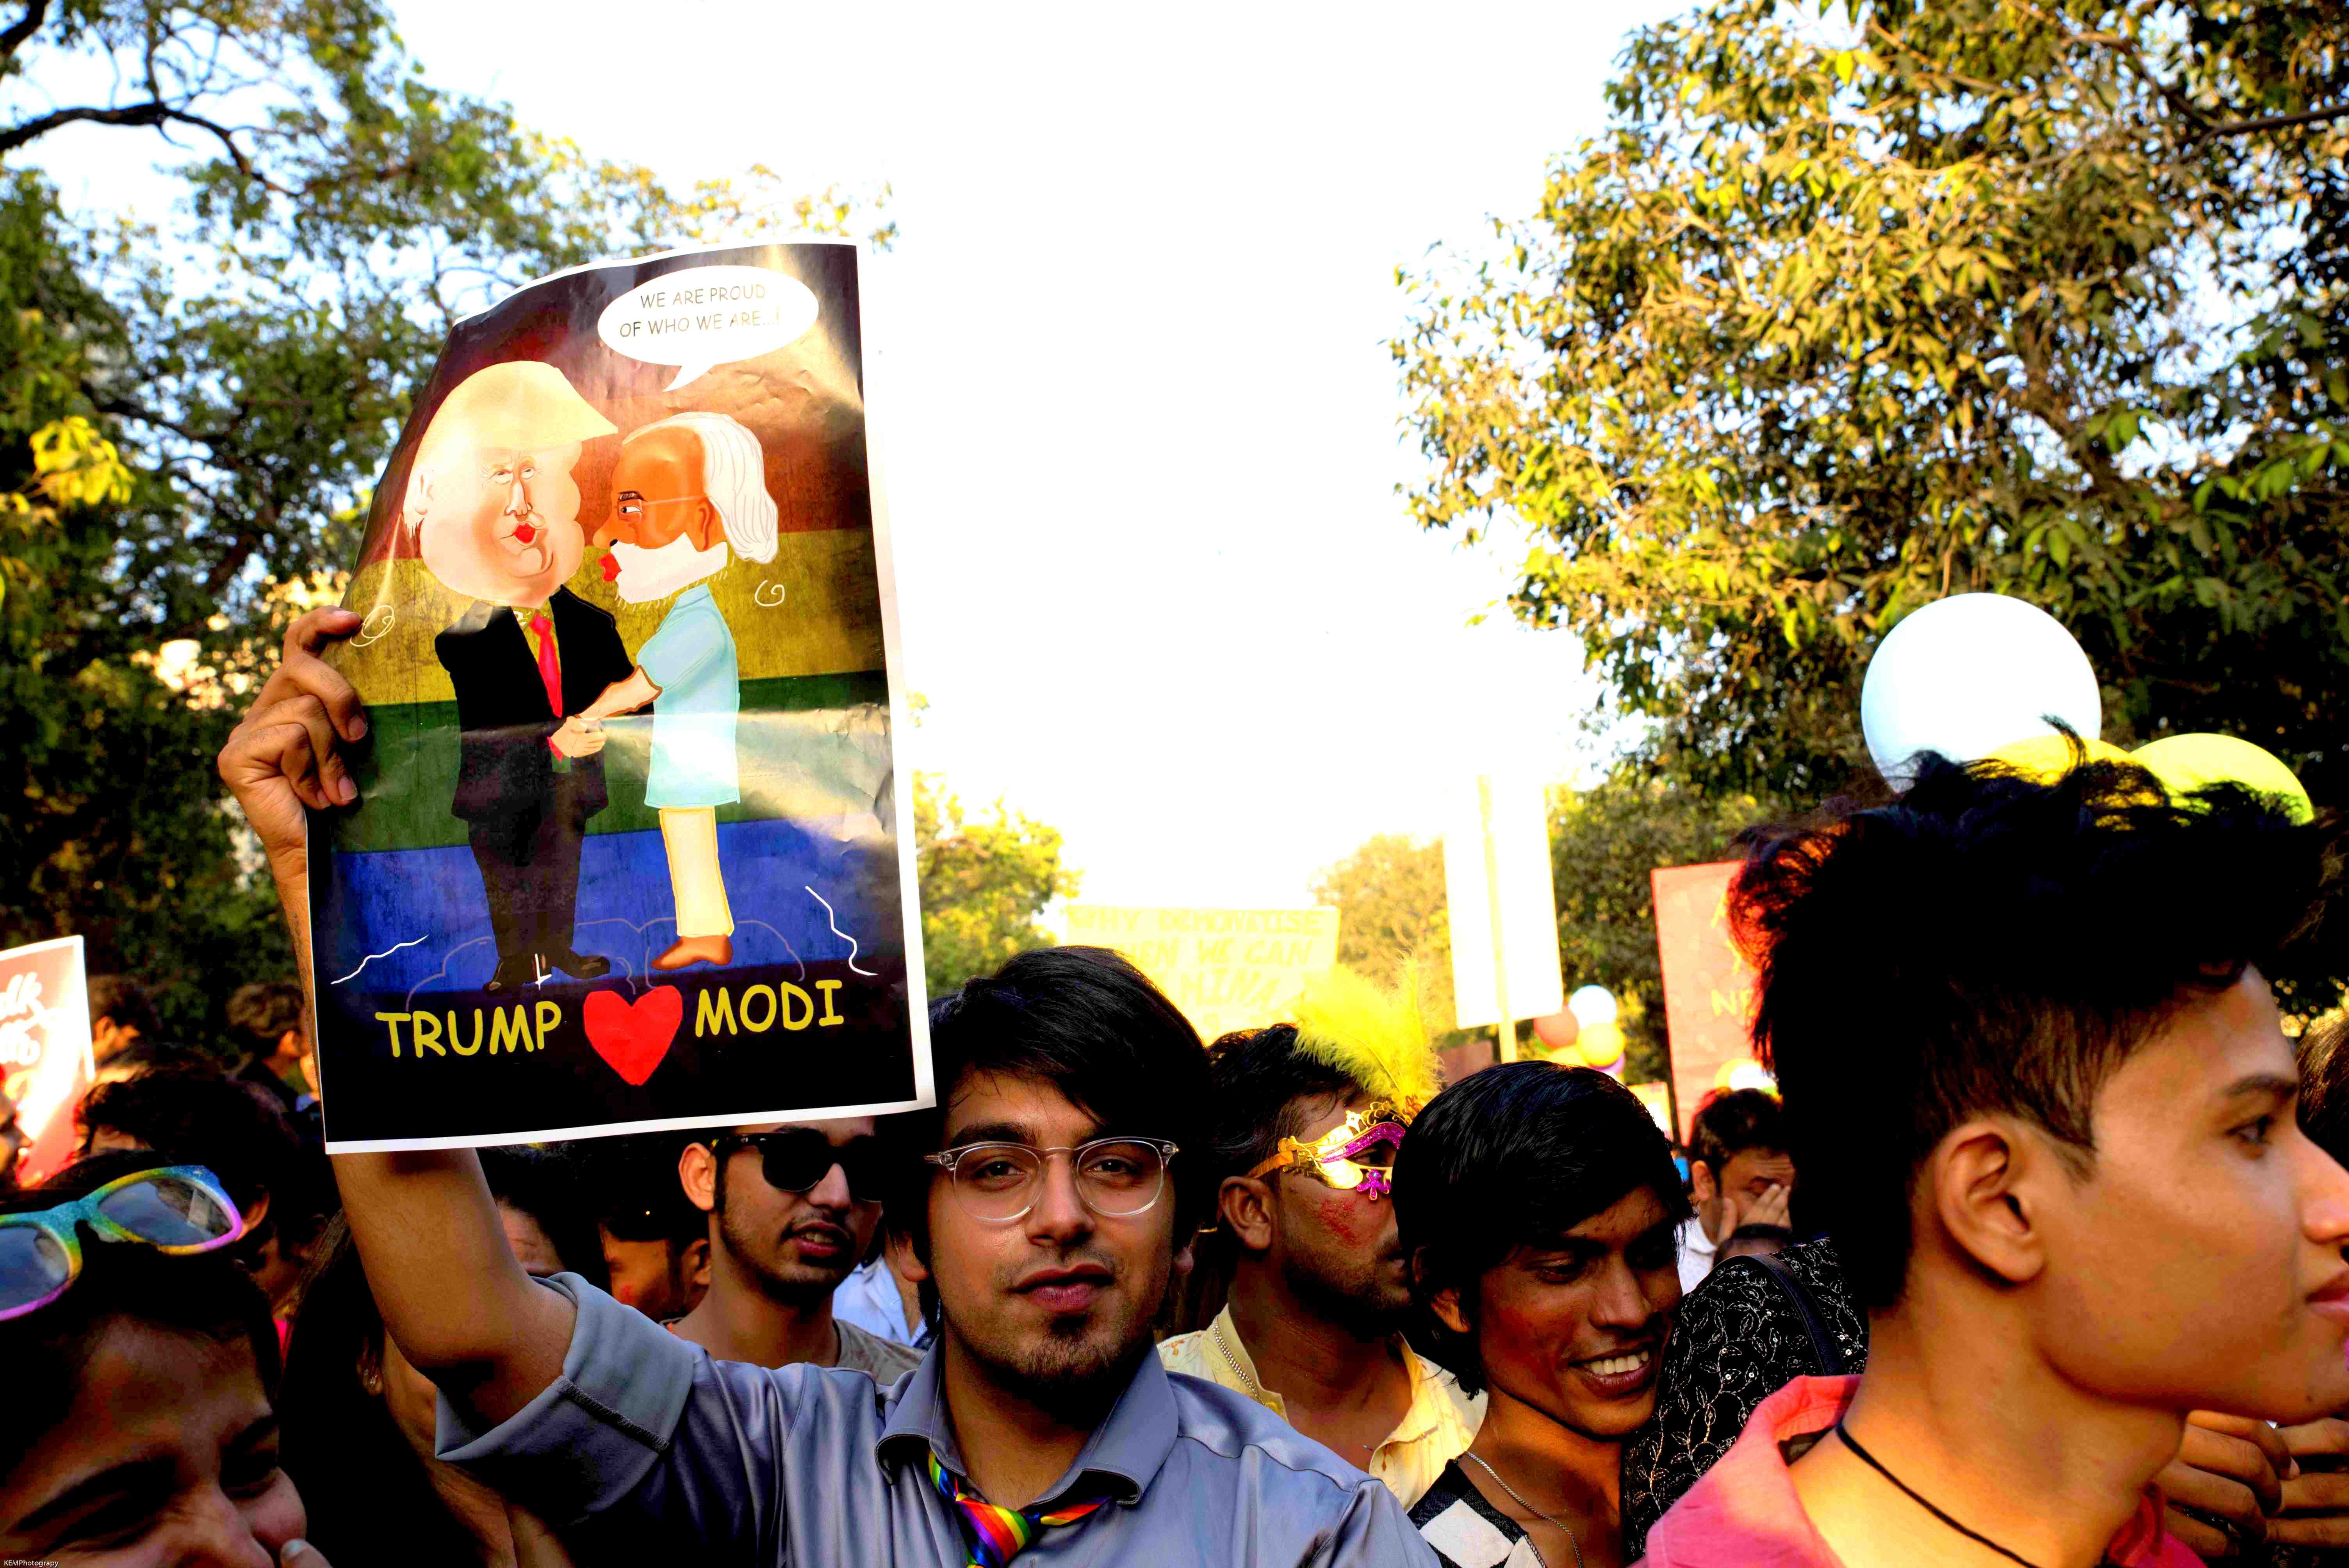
(2038, 1090)
(197, 1115)
(141, 1424)
(1540, 1209)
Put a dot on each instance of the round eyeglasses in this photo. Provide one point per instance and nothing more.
(1116, 1178)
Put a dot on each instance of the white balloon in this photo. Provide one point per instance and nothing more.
(1753, 1075)
(1967, 675)
(1592, 1005)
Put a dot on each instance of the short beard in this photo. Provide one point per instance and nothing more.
(798, 1291)
(1359, 1309)
(1071, 1378)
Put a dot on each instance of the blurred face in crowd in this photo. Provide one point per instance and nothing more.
(532, 1248)
(1059, 1301)
(658, 1278)
(2211, 1217)
(1337, 1252)
(107, 1036)
(796, 1246)
(1745, 1178)
(1576, 1326)
(167, 1459)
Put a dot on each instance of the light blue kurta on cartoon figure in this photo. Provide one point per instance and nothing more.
(691, 656)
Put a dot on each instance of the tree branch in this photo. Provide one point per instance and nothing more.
(153, 112)
(2273, 123)
(23, 27)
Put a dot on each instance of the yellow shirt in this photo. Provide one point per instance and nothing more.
(1436, 1429)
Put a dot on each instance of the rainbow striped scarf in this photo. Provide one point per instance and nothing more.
(999, 1534)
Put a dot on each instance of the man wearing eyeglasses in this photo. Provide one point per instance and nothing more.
(792, 1208)
(1044, 1203)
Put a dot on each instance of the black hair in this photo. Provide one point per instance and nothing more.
(634, 1188)
(1261, 1086)
(204, 1295)
(1993, 945)
(545, 1183)
(2325, 1087)
(196, 1115)
(122, 999)
(1516, 1156)
(370, 1501)
(260, 1013)
(146, 1052)
(1729, 1124)
(1091, 1025)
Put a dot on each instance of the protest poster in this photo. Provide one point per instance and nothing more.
(1225, 968)
(633, 849)
(44, 1055)
(1708, 986)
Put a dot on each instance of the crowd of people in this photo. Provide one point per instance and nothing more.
(2037, 1256)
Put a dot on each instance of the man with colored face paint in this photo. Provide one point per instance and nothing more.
(1309, 1117)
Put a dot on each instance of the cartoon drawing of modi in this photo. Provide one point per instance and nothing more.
(495, 515)
(689, 492)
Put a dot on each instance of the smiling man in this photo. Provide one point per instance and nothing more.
(2098, 1212)
(1044, 1203)
(792, 1206)
(1308, 1119)
(1538, 1205)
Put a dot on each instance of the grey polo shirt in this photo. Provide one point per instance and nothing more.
(651, 1444)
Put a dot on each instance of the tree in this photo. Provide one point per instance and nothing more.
(1855, 306)
(1603, 843)
(983, 883)
(195, 403)
(1389, 899)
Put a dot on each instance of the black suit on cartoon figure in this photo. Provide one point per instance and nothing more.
(526, 808)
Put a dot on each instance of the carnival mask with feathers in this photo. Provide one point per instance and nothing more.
(1376, 1038)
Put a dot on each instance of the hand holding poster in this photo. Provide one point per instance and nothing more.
(630, 849)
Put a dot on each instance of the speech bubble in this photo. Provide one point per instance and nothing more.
(698, 318)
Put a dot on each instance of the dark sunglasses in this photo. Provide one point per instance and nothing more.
(796, 1159)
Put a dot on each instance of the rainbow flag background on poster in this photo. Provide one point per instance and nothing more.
(632, 846)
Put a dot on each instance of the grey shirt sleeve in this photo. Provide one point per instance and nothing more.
(641, 1423)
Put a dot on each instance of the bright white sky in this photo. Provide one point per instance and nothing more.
(1132, 390)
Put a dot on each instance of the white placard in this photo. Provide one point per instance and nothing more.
(1501, 821)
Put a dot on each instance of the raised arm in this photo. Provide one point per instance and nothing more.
(452, 1295)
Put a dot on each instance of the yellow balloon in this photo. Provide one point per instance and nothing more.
(1600, 1046)
(2186, 762)
(2044, 759)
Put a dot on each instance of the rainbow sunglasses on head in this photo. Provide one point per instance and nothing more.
(1355, 1156)
(175, 1209)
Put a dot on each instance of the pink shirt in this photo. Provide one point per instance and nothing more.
(1744, 1513)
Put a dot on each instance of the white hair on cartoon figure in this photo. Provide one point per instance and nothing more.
(734, 476)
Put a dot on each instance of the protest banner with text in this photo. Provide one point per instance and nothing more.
(1225, 968)
(632, 849)
(44, 1055)
(1708, 985)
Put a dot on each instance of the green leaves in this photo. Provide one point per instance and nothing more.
(1833, 321)
(983, 883)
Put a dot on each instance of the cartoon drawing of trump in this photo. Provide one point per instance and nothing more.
(689, 494)
(495, 515)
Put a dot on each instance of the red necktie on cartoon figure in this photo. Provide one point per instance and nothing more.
(550, 667)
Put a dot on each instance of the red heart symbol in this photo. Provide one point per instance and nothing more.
(633, 1037)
